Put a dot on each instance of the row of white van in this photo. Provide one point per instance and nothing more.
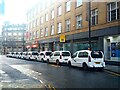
(83, 58)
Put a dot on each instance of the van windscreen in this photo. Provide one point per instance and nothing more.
(65, 54)
(96, 54)
(48, 53)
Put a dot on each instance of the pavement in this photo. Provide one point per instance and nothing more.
(113, 67)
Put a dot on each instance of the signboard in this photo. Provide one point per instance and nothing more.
(113, 49)
(62, 38)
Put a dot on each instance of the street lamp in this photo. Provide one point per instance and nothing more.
(89, 11)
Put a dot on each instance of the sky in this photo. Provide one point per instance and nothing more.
(15, 11)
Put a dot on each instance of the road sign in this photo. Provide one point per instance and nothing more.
(62, 38)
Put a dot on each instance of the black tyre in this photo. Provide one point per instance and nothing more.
(42, 60)
(48, 61)
(57, 62)
(85, 67)
(69, 64)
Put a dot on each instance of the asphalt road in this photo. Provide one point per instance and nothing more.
(31, 74)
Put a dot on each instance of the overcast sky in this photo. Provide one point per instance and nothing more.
(15, 10)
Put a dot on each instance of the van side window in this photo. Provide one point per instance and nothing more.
(57, 54)
(83, 54)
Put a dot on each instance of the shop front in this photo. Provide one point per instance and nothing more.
(112, 47)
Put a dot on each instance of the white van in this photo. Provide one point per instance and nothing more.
(44, 56)
(24, 55)
(59, 57)
(33, 55)
(87, 59)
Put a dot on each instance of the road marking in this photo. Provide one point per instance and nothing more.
(113, 73)
(55, 65)
(28, 72)
(51, 87)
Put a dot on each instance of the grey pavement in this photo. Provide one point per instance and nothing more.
(113, 68)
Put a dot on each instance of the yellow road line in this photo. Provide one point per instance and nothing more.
(55, 65)
(50, 87)
(116, 74)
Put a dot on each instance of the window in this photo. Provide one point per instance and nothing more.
(79, 21)
(57, 54)
(59, 10)
(68, 6)
(41, 20)
(9, 34)
(37, 34)
(59, 27)
(79, 2)
(83, 54)
(19, 34)
(94, 17)
(52, 29)
(113, 11)
(68, 25)
(14, 34)
(52, 14)
(65, 54)
(46, 31)
(46, 17)
(41, 33)
(96, 54)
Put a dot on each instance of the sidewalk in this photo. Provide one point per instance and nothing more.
(113, 68)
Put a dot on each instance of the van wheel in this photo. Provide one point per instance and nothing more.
(85, 67)
(47, 61)
(42, 60)
(57, 62)
(69, 63)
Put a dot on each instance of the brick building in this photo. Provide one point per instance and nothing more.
(63, 25)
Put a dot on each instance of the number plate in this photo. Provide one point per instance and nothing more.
(97, 62)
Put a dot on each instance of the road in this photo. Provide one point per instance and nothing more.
(17, 73)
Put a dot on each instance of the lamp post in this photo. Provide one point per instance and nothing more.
(89, 26)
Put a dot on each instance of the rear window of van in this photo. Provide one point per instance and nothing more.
(34, 53)
(96, 54)
(48, 53)
(65, 54)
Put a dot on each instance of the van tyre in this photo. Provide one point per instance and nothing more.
(85, 67)
(47, 61)
(57, 62)
(42, 60)
(69, 63)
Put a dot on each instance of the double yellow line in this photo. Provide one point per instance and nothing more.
(113, 73)
(51, 87)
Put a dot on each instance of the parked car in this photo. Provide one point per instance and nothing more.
(24, 55)
(44, 56)
(9, 54)
(33, 55)
(14, 54)
(87, 59)
(19, 55)
(59, 57)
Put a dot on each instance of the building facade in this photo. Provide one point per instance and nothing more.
(13, 37)
(0, 44)
(63, 25)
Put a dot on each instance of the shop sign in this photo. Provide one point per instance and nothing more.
(62, 38)
(35, 45)
(28, 46)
